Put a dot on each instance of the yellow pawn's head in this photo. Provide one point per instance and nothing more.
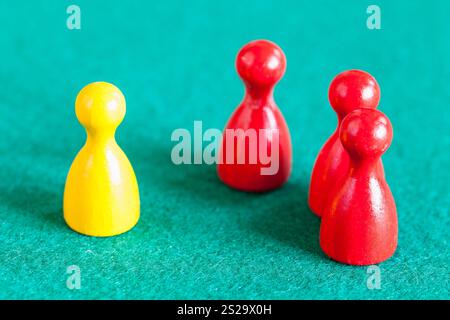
(100, 105)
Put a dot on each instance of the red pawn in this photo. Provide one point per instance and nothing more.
(255, 154)
(359, 225)
(350, 90)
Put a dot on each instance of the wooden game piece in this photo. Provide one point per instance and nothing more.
(359, 225)
(101, 196)
(348, 91)
(260, 64)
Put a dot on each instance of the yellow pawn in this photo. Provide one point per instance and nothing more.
(101, 196)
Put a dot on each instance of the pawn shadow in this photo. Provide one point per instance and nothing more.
(42, 206)
(185, 181)
(289, 220)
(281, 215)
(28, 191)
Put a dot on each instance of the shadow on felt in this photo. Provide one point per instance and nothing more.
(287, 219)
(186, 181)
(41, 205)
(282, 215)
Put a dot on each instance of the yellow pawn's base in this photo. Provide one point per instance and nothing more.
(100, 232)
(101, 196)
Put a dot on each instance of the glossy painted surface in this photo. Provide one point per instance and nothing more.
(359, 225)
(348, 91)
(101, 195)
(260, 64)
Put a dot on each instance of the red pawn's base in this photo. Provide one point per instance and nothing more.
(350, 259)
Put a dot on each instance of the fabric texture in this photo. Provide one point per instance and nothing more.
(196, 238)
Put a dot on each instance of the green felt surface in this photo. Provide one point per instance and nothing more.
(174, 61)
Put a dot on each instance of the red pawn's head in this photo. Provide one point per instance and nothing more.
(353, 89)
(261, 63)
(366, 133)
